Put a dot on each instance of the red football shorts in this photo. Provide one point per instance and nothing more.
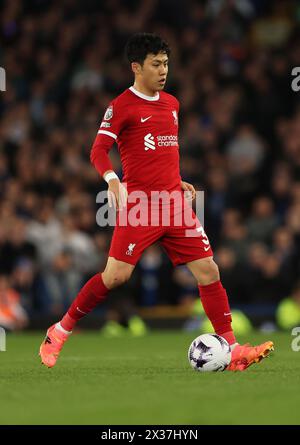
(182, 241)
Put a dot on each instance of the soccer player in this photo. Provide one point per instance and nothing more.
(144, 122)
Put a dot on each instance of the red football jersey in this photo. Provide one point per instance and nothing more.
(146, 131)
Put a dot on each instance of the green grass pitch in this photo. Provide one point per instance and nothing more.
(144, 381)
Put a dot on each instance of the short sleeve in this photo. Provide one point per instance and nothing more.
(114, 120)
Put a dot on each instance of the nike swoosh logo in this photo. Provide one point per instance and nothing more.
(80, 310)
(206, 248)
(229, 313)
(145, 119)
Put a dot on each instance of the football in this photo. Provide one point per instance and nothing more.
(209, 352)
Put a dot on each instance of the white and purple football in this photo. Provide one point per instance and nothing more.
(209, 352)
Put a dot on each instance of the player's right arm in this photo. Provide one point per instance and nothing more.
(111, 126)
(116, 193)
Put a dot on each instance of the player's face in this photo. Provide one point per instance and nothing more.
(154, 71)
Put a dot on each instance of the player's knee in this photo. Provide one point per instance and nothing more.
(209, 272)
(116, 278)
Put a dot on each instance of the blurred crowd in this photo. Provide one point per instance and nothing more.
(230, 68)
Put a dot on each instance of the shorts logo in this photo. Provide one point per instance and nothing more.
(131, 246)
(144, 119)
(108, 113)
(149, 142)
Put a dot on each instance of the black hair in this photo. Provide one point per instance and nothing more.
(141, 44)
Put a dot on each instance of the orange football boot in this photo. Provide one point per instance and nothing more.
(244, 356)
(51, 346)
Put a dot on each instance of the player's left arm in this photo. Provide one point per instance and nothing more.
(186, 186)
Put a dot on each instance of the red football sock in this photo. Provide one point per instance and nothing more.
(92, 293)
(215, 303)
